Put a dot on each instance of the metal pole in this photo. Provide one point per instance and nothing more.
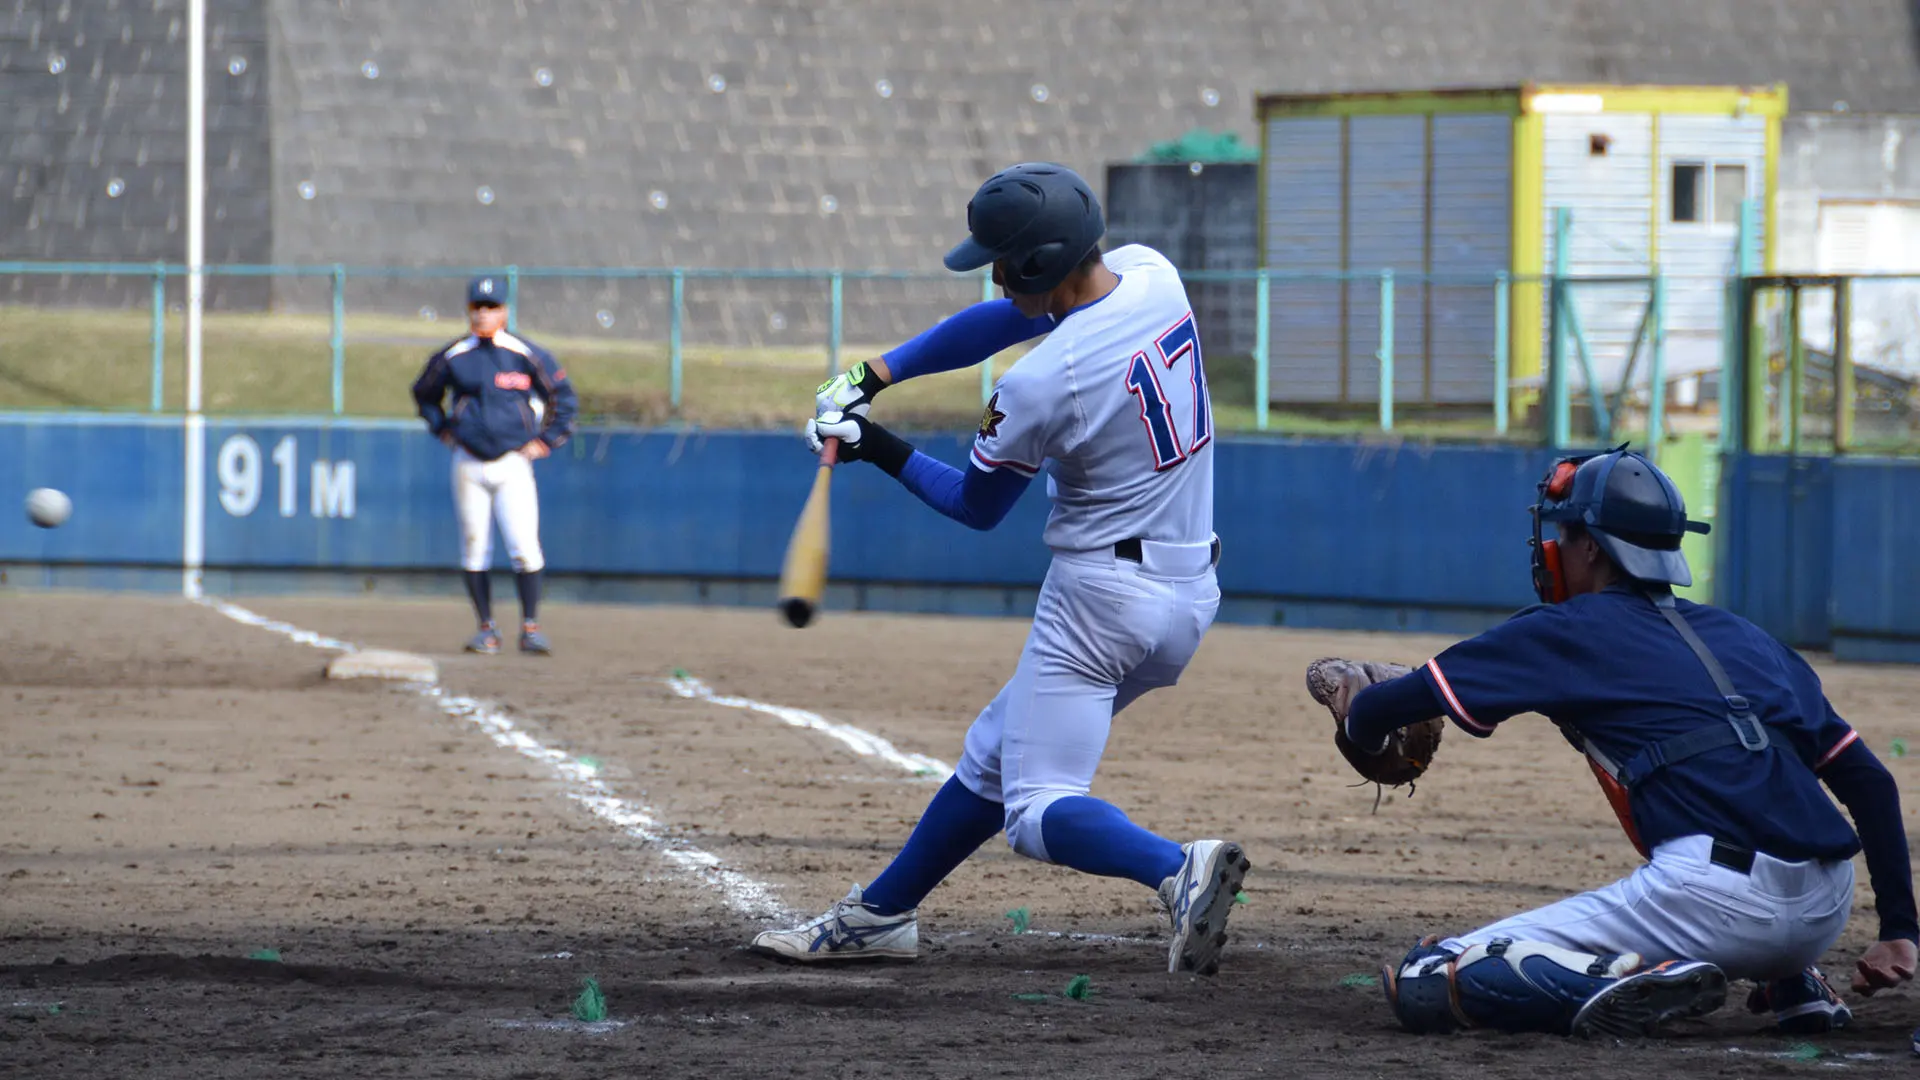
(673, 337)
(1262, 355)
(986, 366)
(1657, 393)
(337, 338)
(833, 327)
(1796, 370)
(1560, 423)
(513, 299)
(1386, 350)
(159, 335)
(193, 523)
(1502, 349)
(1842, 366)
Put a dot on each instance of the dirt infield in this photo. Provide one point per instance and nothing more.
(179, 792)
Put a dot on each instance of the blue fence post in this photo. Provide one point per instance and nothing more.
(159, 335)
(1502, 349)
(673, 337)
(337, 338)
(986, 366)
(513, 299)
(1386, 350)
(833, 327)
(1262, 356)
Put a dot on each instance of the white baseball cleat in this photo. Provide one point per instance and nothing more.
(1198, 899)
(1640, 1004)
(850, 930)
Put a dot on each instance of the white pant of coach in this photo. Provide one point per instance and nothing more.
(1105, 631)
(1768, 924)
(500, 489)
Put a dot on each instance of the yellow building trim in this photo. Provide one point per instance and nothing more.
(1769, 101)
(1529, 246)
(1396, 103)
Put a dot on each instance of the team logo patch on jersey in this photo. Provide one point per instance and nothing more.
(513, 380)
(990, 419)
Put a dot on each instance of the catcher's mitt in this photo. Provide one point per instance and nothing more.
(1334, 683)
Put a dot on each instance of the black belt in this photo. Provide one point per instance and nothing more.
(1129, 550)
(1732, 857)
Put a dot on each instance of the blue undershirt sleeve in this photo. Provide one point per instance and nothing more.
(1384, 708)
(964, 339)
(975, 498)
(1868, 791)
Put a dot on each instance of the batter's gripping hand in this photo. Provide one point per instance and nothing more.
(1335, 683)
(850, 428)
(850, 392)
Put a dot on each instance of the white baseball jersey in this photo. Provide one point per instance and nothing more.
(1116, 400)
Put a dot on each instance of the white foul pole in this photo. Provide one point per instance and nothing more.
(194, 512)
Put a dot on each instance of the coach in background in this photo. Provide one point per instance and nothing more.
(512, 406)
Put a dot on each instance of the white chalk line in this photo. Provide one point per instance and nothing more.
(859, 740)
(747, 896)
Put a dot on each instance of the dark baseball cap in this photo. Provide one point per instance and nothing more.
(487, 289)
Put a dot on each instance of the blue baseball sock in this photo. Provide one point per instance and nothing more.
(1094, 837)
(956, 823)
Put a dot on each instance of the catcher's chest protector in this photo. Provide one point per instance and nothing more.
(1742, 728)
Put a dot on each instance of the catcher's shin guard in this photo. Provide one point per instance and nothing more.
(1505, 984)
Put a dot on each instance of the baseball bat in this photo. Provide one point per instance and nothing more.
(803, 577)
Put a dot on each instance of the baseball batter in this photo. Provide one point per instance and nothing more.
(1711, 741)
(1114, 406)
(512, 405)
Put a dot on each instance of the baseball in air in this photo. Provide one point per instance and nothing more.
(48, 508)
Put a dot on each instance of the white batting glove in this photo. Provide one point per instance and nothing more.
(848, 428)
(850, 392)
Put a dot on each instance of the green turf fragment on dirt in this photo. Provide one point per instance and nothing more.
(272, 955)
(1803, 1052)
(1240, 897)
(591, 1006)
(1032, 999)
(1020, 916)
(1360, 979)
(590, 763)
(1080, 987)
(1899, 748)
(681, 673)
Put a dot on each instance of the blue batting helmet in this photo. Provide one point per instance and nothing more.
(1041, 219)
(1633, 510)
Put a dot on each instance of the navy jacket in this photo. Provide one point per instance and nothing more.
(506, 390)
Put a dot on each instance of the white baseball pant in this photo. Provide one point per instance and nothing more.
(1769, 924)
(1105, 631)
(500, 489)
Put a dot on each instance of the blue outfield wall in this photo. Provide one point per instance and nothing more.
(1822, 552)
(1315, 533)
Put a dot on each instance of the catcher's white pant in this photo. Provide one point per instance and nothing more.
(503, 489)
(1769, 924)
(1105, 631)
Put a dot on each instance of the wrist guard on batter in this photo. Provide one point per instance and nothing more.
(1408, 750)
(860, 440)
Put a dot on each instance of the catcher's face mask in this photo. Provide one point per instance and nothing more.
(1549, 580)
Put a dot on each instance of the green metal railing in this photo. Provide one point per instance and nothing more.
(1391, 285)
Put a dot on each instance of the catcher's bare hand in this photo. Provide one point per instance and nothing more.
(1409, 750)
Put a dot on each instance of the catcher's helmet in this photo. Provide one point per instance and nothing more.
(1042, 219)
(1632, 509)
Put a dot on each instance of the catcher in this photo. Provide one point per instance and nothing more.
(1710, 740)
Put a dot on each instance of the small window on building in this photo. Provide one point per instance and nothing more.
(1597, 144)
(1688, 182)
(1729, 190)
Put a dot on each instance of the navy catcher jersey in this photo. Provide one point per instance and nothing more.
(1609, 669)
